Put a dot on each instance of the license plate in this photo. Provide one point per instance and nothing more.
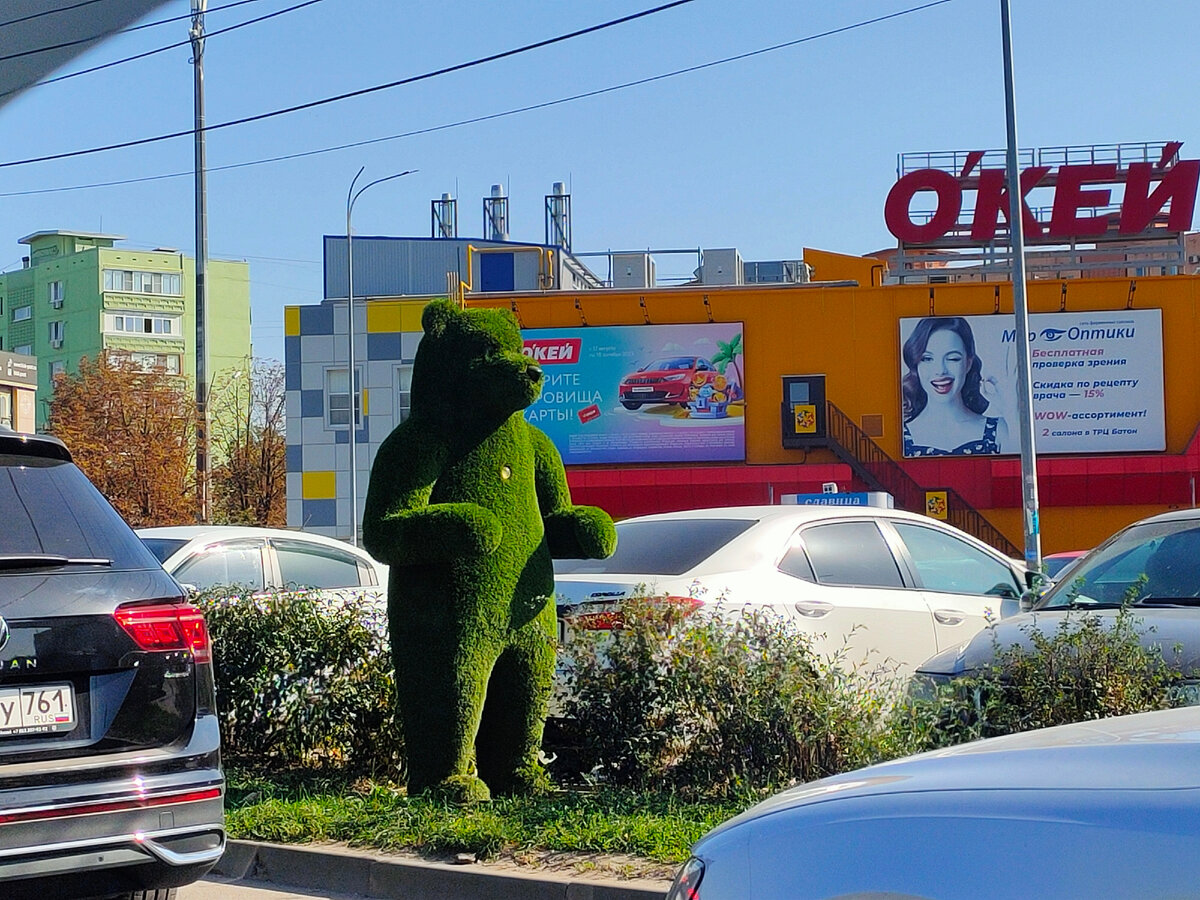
(42, 709)
(642, 390)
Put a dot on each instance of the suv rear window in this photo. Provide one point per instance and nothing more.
(665, 547)
(50, 507)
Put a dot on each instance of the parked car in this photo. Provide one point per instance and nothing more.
(260, 559)
(1053, 564)
(1108, 808)
(1153, 566)
(110, 777)
(887, 585)
(667, 380)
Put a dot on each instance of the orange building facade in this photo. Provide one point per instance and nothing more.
(845, 326)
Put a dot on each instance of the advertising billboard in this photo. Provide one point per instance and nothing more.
(641, 393)
(1097, 383)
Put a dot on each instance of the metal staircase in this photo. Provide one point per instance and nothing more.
(880, 472)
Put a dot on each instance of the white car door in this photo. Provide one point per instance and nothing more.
(963, 584)
(848, 587)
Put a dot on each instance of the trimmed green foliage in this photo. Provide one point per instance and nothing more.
(467, 503)
(716, 705)
(1086, 667)
(303, 681)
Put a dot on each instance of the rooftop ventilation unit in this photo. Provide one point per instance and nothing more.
(444, 217)
(558, 217)
(495, 215)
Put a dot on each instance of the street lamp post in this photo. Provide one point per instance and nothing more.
(351, 196)
(1016, 232)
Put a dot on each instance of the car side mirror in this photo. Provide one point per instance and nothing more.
(1027, 600)
(1034, 580)
(190, 590)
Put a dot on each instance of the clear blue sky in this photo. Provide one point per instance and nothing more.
(792, 148)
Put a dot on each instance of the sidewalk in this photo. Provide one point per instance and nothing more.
(333, 868)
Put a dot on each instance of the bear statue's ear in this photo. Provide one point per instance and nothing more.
(436, 316)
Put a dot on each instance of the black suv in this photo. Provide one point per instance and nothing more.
(110, 775)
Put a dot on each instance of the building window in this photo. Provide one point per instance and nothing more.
(24, 350)
(403, 391)
(6, 407)
(149, 362)
(56, 294)
(138, 323)
(56, 334)
(22, 313)
(167, 283)
(58, 367)
(338, 398)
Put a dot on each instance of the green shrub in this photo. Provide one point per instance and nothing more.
(1087, 667)
(304, 681)
(715, 705)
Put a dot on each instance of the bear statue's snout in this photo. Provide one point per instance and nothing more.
(533, 373)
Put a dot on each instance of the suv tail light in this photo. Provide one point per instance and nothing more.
(167, 626)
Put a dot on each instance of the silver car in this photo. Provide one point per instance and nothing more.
(1109, 808)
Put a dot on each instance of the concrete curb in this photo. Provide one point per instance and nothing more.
(352, 872)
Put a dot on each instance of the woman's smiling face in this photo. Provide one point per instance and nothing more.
(943, 365)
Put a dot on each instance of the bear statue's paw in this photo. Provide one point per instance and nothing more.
(461, 790)
(594, 531)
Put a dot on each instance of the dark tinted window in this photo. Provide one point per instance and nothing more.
(162, 548)
(851, 553)
(667, 547)
(1055, 564)
(49, 506)
(311, 565)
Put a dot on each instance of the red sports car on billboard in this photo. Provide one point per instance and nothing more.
(666, 380)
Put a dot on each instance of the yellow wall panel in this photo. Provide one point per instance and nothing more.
(320, 485)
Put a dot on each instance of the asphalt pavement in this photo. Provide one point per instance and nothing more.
(224, 889)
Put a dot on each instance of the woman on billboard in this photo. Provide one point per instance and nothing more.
(946, 400)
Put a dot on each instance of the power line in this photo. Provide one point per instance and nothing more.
(491, 116)
(362, 91)
(48, 12)
(184, 43)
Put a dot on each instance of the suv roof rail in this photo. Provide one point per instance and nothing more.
(42, 445)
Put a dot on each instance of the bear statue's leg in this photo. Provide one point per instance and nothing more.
(440, 705)
(510, 732)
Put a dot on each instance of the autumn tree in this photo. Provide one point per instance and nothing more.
(248, 445)
(132, 431)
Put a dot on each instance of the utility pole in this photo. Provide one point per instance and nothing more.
(203, 477)
(1016, 233)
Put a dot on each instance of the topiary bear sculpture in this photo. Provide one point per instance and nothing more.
(468, 503)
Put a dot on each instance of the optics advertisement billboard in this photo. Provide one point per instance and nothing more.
(641, 393)
(1097, 383)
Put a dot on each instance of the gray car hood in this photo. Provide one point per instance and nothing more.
(1167, 629)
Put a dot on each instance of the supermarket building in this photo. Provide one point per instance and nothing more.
(811, 360)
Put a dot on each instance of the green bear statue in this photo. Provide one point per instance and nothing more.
(467, 504)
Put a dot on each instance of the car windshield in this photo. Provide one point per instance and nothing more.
(163, 548)
(675, 363)
(664, 547)
(51, 508)
(1153, 564)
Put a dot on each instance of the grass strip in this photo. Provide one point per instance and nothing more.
(300, 807)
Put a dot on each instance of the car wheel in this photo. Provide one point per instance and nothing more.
(630, 404)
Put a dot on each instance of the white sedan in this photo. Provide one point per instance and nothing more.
(1108, 808)
(877, 586)
(262, 559)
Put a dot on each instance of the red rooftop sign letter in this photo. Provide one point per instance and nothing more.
(1080, 193)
